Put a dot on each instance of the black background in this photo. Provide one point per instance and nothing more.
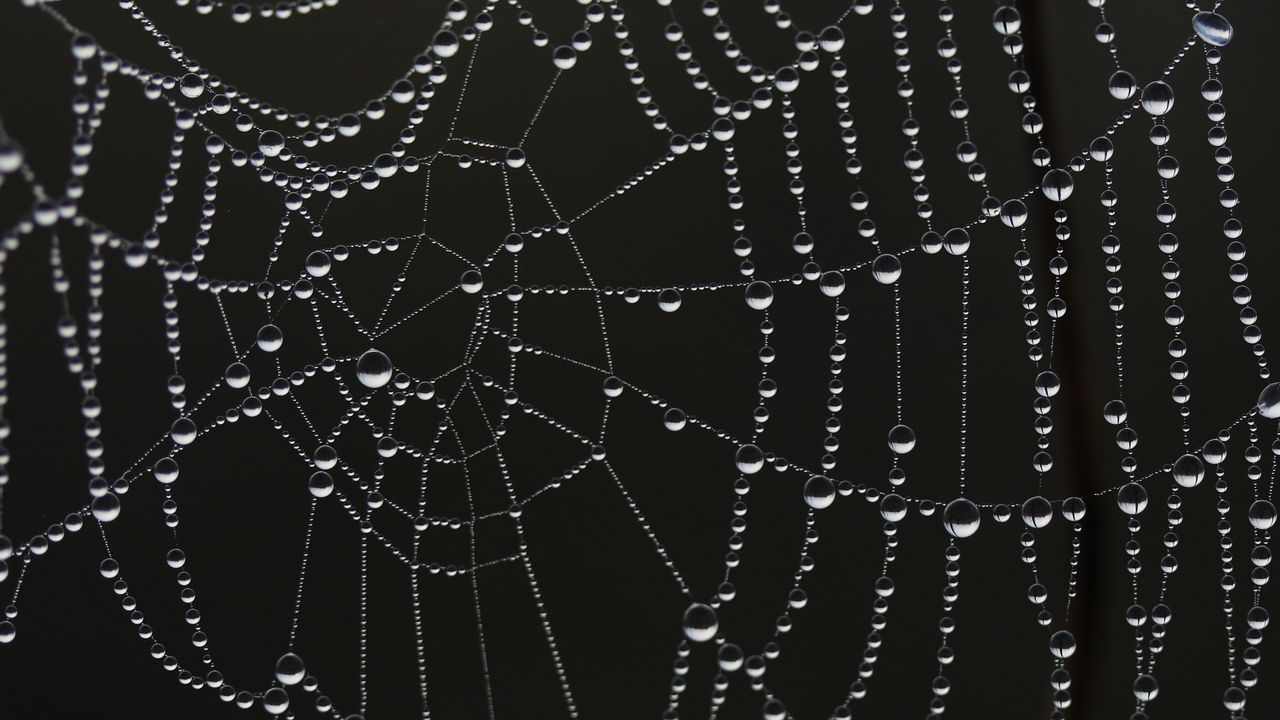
(613, 605)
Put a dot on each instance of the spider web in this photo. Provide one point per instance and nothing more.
(363, 332)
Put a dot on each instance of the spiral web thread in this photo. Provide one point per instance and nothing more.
(201, 107)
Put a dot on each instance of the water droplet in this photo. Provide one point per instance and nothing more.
(275, 701)
(1212, 28)
(1037, 512)
(319, 264)
(270, 338)
(831, 283)
(956, 241)
(886, 269)
(1122, 85)
(1188, 471)
(759, 295)
(1006, 20)
(774, 709)
(445, 44)
(749, 459)
(893, 507)
(237, 375)
(700, 622)
(902, 439)
(373, 369)
(1132, 499)
(1057, 185)
(105, 507)
(961, 518)
(730, 657)
(669, 300)
(270, 143)
(165, 470)
(191, 85)
(819, 492)
(1157, 98)
(471, 282)
(1262, 515)
(320, 484)
(1145, 688)
(183, 431)
(289, 669)
(831, 39)
(1269, 401)
(1062, 644)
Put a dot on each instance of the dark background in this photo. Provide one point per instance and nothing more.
(613, 606)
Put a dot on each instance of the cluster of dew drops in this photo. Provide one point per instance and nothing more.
(961, 517)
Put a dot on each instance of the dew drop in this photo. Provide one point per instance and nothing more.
(106, 507)
(445, 44)
(700, 622)
(289, 669)
(1262, 515)
(270, 143)
(669, 300)
(1188, 471)
(1212, 28)
(237, 375)
(270, 338)
(1057, 185)
(961, 518)
(819, 492)
(183, 431)
(1269, 401)
(320, 484)
(275, 701)
(1132, 499)
(471, 282)
(373, 369)
(749, 459)
(759, 295)
(886, 269)
(1157, 98)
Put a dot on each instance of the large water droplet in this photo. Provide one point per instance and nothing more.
(373, 369)
(1057, 184)
(1188, 471)
(275, 701)
(893, 507)
(445, 44)
(1157, 98)
(183, 431)
(961, 518)
(1145, 688)
(1269, 401)
(886, 269)
(106, 507)
(1212, 28)
(749, 459)
(759, 295)
(819, 492)
(1262, 515)
(289, 669)
(270, 338)
(1037, 512)
(270, 143)
(1062, 644)
(1132, 499)
(902, 439)
(700, 622)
